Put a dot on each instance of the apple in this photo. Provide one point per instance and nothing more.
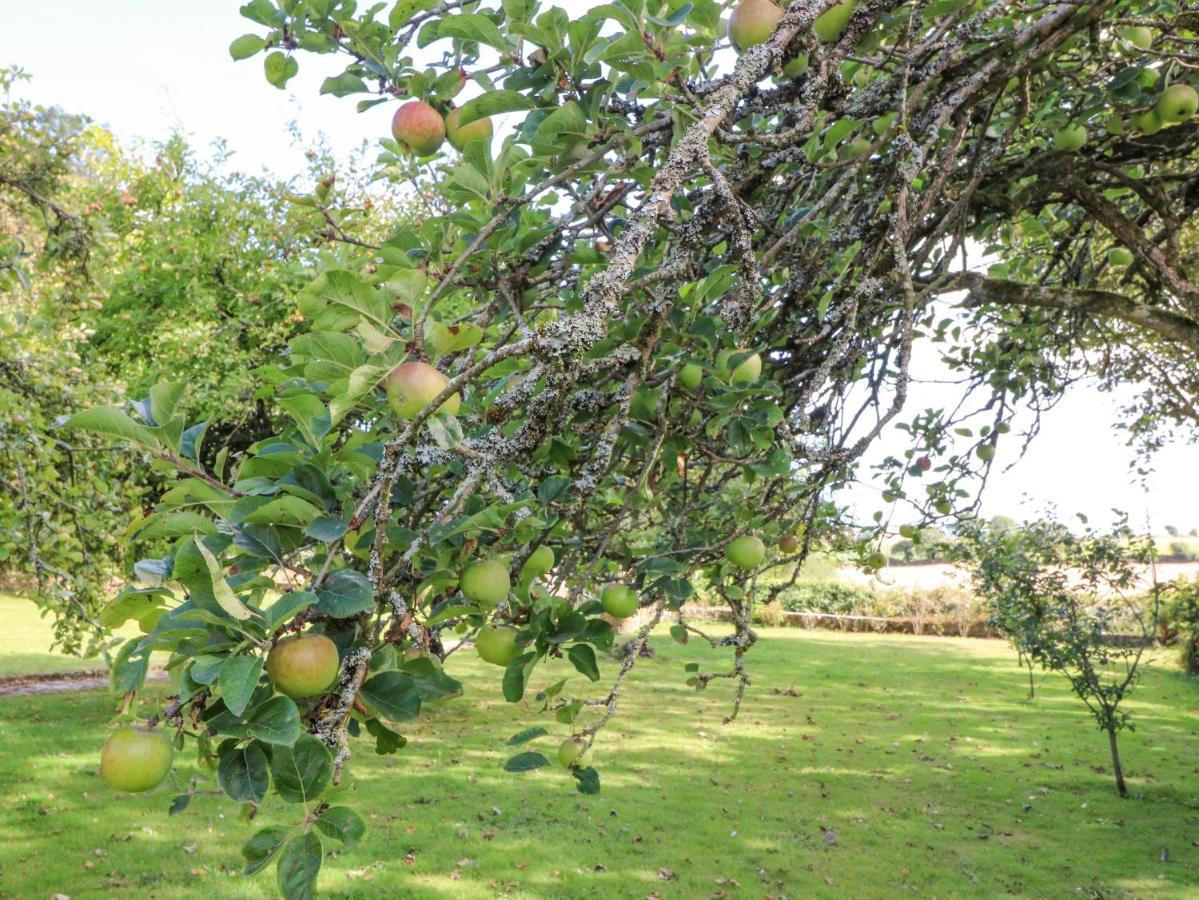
(876, 560)
(690, 376)
(418, 128)
(303, 665)
(1177, 103)
(753, 22)
(1114, 124)
(486, 582)
(831, 24)
(1119, 256)
(539, 563)
(412, 385)
(797, 66)
(135, 760)
(746, 372)
(789, 543)
(573, 753)
(923, 463)
(1147, 122)
(496, 644)
(1139, 36)
(1070, 138)
(620, 601)
(459, 137)
(745, 552)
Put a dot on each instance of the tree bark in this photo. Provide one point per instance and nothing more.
(1116, 767)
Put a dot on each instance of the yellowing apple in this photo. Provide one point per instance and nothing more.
(460, 136)
(135, 760)
(412, 385)
(789, 544)
(486, 582)
(753, 22)
(496, 644)
(573, 753)
(745, 552)
(619, 601)
(418, 128)
(303, 665)
(1177, 103)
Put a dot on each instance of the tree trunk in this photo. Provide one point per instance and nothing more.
(1116, 768)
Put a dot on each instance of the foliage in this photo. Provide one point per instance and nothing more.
(655, 207)
(1180, 619)
(1056, 595)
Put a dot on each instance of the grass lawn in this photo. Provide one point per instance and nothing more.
(25, 643)
(862, 766)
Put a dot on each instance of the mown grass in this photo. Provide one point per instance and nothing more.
(861, 766)
(25, 639)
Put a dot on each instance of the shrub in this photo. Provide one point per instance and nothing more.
(1180, 614)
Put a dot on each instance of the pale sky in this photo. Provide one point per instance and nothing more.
(145, 67)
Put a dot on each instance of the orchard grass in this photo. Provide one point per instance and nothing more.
(25, 638)
(861, 766)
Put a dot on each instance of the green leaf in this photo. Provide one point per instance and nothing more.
(346, 593)
(325, 528)
(431, 682)
(302, 771)
(275, 722)
(238, 679)
(220, 587)
(114, 422)
(130, 667)
(582, 657)
(338, 300)
(299, 864)
(493, 103)
(244, 772)
(525, 736)
(290, 512)
(588, 780)
(473, 27)
(342, 824)
(343, 85)
(386, 740)
(179, 804)
(279, 68)
(513, 684)
(447, 339)
(287, 606)
(259, 849)
(246, 46)
(525, 762)
(392, 695)
(679, 633)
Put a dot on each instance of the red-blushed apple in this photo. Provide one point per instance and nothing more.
(496, 644)
(303, 665)
(136, 760)
(788, 544)
(418, 127)
(486, 582)
(745, 552)
(753, 22)
(619, 601)
(923, 463)
(460, 136)
(412, 385)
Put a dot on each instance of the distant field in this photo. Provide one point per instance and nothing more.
(925, 577)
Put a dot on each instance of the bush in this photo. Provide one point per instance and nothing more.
(1180, 614)
(826, 597)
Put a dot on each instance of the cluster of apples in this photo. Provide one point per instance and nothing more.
(754, 21)
(419, 128)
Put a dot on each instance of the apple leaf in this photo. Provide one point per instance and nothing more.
(299, 864)
(392, 695)
(237, 681)
(525, 762)
(525, 736)
(343, 824)
(588, 780)
(276, 722)
(302, 771)
(244, 772)
(259, 849)
(220, 587)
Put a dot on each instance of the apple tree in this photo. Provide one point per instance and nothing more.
(653, 314)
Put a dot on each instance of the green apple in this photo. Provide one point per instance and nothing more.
(745, 372)
(135, 760)
(1070, 138)
(1114, 124)
(620, 601)
(418, 128)
(573, 753)
(831, 24)
(496, 644)
(460, 136)
(797, 66)
(753, 22)
(1147, 122)
(486, 582)
(303, 665)
(1177, 103)
(1119, 256)
(690, 375)
(412, 385)
(1139, 36)
(539, 563)
(745, 552)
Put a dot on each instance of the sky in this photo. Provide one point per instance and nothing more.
(143, 68)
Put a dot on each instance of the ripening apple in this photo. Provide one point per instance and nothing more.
(831, 24)
(486, 582)
(753, 22)
(1177, 103)
(135, 760)
(788, 544)
(690, 376)
(496, 644)
(1119, 256)
(923, 463)
(1070, 138)
(1147, 122)
(1139, 36)
(573, 753)
(303, 665)
(745, 552)
(539, 563)
(412, 385)
(460, 136)
(745, 372)
(418, 128)
(620, 601)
